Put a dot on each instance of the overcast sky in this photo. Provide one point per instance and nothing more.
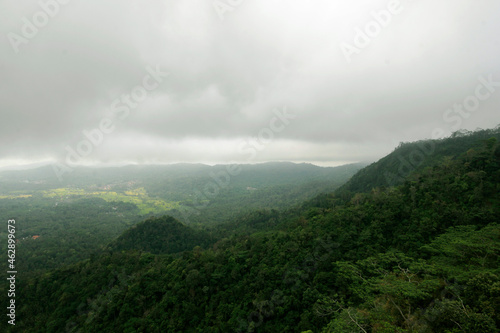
(324, 81)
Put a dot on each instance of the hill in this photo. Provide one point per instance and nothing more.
(176, 179)
(411, 157)
(418, 257)
(163, 235)
(184, 190)
(93, 206)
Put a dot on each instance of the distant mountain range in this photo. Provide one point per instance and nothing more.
(410, 243)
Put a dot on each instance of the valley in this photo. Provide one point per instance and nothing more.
(286, 247)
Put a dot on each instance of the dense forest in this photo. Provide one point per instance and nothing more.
(73, 219)
(160, 235)
(398, 248)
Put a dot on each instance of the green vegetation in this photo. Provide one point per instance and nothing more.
(81, 215)
(160, 236)
(138, 197)
(422, 256)
(20, 196)
(181, 190)
(69, 230)
(393, 169)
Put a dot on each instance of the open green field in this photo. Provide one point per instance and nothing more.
(20, 196)
(138, 197)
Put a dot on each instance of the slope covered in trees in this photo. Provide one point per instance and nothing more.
(410, 157)
(193, 193)
(164, 235)
(90, 207)
(418, 257)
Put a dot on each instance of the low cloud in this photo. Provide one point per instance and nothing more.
(226, 78)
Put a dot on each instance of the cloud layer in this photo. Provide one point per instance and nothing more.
(231, 66)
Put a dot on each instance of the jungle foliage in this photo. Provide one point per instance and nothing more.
(419, 256)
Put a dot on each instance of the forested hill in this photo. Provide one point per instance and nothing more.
(176, 176)
(407, 158)
(422, 256)
(221, 192)
(164, 235)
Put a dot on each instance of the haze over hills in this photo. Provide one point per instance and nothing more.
(256, 166)
(421, 255)
(92, 206)
(84, 175)
(186, 187)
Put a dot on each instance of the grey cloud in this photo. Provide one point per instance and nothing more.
(227, 77)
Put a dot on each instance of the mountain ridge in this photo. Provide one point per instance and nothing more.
(394, 168)
(418, 256)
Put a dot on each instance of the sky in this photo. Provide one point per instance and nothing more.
(326, 82)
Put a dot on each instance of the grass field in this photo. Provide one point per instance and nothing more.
(15, 196)
(138, 197)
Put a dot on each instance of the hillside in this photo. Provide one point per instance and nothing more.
(175, 179)
(410, 157)
(164, 235)
(93, 206)
(418, 257)
(184, 190)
